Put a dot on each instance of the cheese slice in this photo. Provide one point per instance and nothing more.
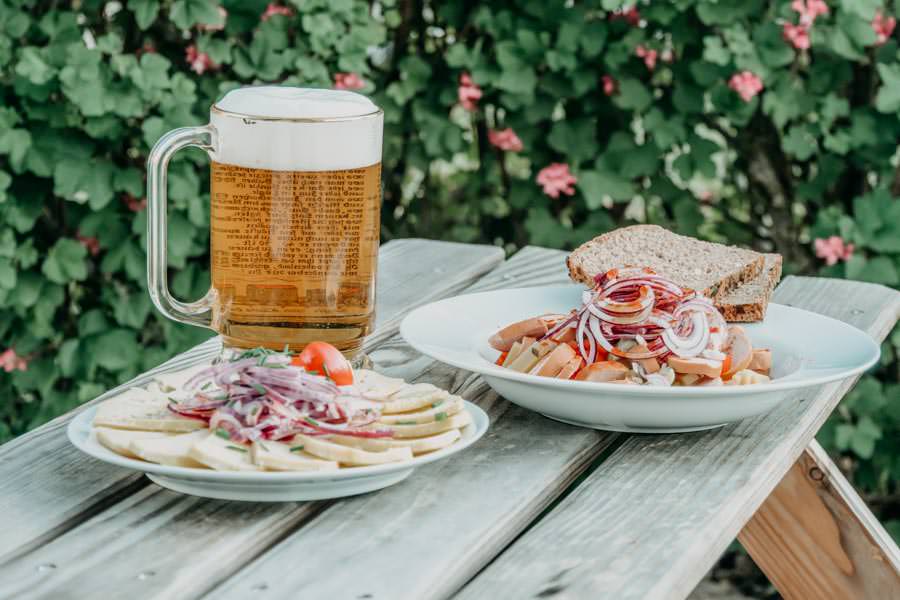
(375, 386)
(350, 456)
(173, 450)
(137, 408)
(281, 456)
(417, 445)
(440, 409)
(413, 397)
(457, 421)
(119, 440)
(175, 380)
(221, 454)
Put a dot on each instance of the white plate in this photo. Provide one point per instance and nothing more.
(807, 349)
(272, 486)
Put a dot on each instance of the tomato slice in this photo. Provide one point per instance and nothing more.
(321, 358)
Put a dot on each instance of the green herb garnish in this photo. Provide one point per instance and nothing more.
(440, 416)
(236, 448)
(406, 423)
(325, 368)
(223, 434)
(436, 404)
(172, 400)
(312, 421)
(296, 448)
(260, 389)
(206, 385)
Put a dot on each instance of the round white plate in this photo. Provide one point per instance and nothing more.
(807, 349)
(272, 486)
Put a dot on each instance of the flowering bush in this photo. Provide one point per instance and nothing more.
(772, 124)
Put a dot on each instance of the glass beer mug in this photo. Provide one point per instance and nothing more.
(294, 217)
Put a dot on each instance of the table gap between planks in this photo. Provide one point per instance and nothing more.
(648, 521)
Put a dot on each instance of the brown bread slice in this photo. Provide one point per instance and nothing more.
(748, 302)
(712, 269)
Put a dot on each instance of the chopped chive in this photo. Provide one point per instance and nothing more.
(325, 368)
(263, 446)
(296, 448)
(406, 423)
(258, 388)
(236, 448)
(223, 434)
(311, 421)
(437, 403)
(206, 385)
(440, 416)
(172, 400)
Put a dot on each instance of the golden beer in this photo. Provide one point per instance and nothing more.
(294, 255)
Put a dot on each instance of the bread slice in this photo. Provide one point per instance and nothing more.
(711, 269)
(748, 302)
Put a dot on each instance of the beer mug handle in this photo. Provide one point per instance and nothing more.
(198, 312)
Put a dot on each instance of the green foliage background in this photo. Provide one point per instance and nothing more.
(87, 87)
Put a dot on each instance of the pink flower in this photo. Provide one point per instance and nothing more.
(648, 54)
(348, 81)
(505, 139)
(274, 9)
(469, 93)
(631, 15)
(610, 85)
(134, 204)
(746, 84)
(200, 61)
(797, 35)
(556, 179)
(883, 27)
(213, 27)
(91, 243)
(12, 362)
(809, 10)
(833, 249)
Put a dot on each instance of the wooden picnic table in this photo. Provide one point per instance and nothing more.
(536, 509)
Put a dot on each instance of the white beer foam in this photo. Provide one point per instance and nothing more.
(296, 145)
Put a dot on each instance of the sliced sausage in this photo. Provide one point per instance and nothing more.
(761, 361)
(696, 366)
(552, 363)
(570, 368)
(605, 370)
(535, 327)
(739, 348)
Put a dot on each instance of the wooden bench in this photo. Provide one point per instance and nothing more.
(537, 509)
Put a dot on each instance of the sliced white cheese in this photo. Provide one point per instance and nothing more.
(137, 408)
(457, 421)
(172, 450)
(221, 454)
(175, 380)
(413, 397)
(417, 445)
(375, 386)
(350, 456)
(440, 409)
(283, 456)
(119, 440)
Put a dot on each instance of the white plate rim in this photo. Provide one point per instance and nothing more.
(483, 367)
(79, 433)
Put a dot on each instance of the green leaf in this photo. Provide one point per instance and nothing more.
(33, 66)
(596, 184)
(800, 142)
(865, 9)
(633, 95)
(187, 13)
(7, 274)
(65, 261)
(145, 12)
(888, 98)
(114, 350)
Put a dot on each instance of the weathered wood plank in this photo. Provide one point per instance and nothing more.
(47, 487)
(475, 504)
(814, 537)
(651, 520)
